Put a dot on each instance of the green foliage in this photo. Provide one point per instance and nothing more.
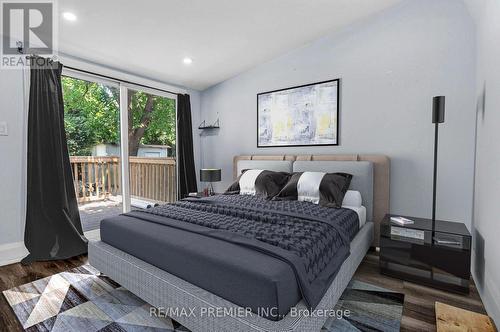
(92, 116)
(161, 128)
(78, 133)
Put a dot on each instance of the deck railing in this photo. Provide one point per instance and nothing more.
(97, 178)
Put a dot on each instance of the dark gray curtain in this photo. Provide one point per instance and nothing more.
(53, 228)
(185, 158)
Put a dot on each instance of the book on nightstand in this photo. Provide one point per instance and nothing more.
(402, 221)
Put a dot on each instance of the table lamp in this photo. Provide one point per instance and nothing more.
(210, 175)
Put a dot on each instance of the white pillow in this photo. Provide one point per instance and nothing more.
(308, 186)
(352, 198)
(247, 181)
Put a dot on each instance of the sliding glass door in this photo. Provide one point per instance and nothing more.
(106, 120)
(151, 147)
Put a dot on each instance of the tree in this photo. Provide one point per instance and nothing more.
(151, 120)
(91, 114)
(92, 117)
(140, 111)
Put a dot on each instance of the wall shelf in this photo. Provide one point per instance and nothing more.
(204, 126)
(208, 127)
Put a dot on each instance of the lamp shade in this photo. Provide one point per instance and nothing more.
(210, 174)
(438, 109)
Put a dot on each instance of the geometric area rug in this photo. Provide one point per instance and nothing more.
(370, 308)
(83, 300)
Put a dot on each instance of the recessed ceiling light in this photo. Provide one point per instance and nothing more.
(69, 16)
(187, 61)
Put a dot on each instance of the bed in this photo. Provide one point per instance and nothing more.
(198, 266)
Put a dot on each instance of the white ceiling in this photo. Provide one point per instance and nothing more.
(224, 37)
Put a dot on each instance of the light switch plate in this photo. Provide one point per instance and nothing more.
(4, 131)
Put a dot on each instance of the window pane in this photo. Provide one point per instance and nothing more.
(91, 118)
(152, 138)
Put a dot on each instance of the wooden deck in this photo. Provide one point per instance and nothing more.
(97, 183)
(91, 213)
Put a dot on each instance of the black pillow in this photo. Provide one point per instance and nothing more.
(234, 188)
(267, 184)
(329, 191)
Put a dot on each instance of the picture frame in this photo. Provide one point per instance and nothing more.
(303, 115)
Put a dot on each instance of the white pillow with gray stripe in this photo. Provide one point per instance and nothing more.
(247, 181)
(258, 182)
(308, 186)
(326, 189)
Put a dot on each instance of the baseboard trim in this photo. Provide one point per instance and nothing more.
(490, 294)
(11, 253)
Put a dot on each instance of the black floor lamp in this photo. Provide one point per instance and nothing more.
(437, 118)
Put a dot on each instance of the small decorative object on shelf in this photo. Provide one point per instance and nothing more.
(437, 257)
(210, 175)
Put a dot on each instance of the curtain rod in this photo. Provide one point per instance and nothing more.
(20, 49)
(118, 79)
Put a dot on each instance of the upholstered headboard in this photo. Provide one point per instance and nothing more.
(272, 165)
(364, 168)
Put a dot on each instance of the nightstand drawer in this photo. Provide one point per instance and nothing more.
(452, 240)
(405, 234)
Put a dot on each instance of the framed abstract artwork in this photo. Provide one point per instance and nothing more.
(303, 115)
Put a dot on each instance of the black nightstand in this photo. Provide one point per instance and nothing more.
(408, 252)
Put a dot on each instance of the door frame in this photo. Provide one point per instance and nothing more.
(125, 164)
(123, 115)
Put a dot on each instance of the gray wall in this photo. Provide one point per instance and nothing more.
(486, 262)
(12, 196)
(390, 67)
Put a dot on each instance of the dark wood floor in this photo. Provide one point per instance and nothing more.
(16, 274)
(418, 313)
(418, 310)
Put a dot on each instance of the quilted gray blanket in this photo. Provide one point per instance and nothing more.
(313, 240)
